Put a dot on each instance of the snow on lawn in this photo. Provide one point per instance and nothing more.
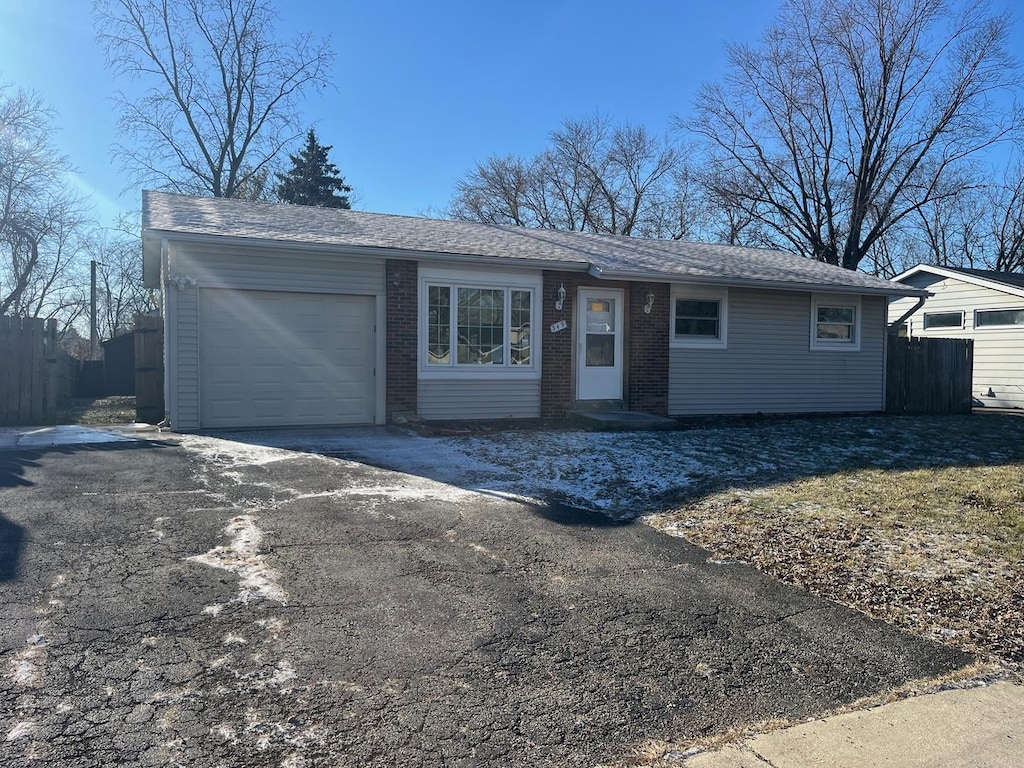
(630, 473)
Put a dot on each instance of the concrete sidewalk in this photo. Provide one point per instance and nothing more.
(972, 728)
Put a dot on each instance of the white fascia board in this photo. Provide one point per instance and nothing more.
(951, 274)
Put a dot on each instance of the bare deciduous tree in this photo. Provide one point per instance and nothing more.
(41, 218)
(850, 114)
(1007, 208)
(595, 177)
(221, 91)
(120, 292)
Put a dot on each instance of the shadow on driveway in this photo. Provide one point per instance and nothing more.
(11, 536)
(14, 464)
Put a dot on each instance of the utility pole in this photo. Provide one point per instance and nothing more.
(94, 336)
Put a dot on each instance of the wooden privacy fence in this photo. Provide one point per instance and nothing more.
(28, 371)
(149, 369)
(926, 375)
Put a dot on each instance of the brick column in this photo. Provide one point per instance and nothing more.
(556, 383)
(401, 337)
(648, 349)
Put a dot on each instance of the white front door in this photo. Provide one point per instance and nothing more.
(599, 344)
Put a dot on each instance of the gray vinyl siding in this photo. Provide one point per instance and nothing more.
(216, 266)
(478, 399)
(998, 352)
(769, 367)
(188, 360)
(263, 269)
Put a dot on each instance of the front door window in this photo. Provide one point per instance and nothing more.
(600, 333)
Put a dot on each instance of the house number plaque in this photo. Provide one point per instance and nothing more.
(561, 325)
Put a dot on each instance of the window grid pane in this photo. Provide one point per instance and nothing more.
(439, 321)
(835, 315)
(519, 333)
(481, 326)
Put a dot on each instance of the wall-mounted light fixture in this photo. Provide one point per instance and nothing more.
(181, 282)
(650, 303)
(561, 297)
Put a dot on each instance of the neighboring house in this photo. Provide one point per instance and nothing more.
(290, 315)
(973, 304)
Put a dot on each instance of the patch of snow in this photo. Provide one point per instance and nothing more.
(213, 610)
(21, 730)
(26, 666)
(257, 580)
(230, 453)
(283, 672)
(67, 435)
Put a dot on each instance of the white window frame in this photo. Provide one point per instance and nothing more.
(700, 293)
(460, 278)
(844, 301)
(926, 327)
(1008, 326)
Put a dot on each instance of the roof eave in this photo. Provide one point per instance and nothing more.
(154, 237)
(775, 285)
(994, 285)
(373, 251)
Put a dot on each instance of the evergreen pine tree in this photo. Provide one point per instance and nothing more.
(313, 179)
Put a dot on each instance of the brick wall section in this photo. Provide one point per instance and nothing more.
(648, 349)
(400, 336)
(556, 383)
(645, 345)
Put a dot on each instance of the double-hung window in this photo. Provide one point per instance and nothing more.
(699, 317)
(478, 327)
(835, 323)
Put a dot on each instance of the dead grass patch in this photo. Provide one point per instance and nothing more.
(936, 551)
(98, 411)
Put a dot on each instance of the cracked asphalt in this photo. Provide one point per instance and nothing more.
(169, 604)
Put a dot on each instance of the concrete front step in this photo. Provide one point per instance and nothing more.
(617, 420)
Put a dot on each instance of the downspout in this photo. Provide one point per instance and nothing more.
(895, 324)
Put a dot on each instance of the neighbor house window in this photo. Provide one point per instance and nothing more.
(478, 327)
(835, 323)
(990, 318)
(699, 316)
(943, 320)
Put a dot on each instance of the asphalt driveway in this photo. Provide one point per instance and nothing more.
(207, 602)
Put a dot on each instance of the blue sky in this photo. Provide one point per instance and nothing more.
(423, 90)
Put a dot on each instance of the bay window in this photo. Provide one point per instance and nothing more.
(477, 327)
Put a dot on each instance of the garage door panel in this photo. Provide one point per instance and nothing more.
(279, 359)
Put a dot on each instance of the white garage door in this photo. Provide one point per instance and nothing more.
(285, 359)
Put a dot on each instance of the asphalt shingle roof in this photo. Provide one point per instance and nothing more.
(615, 256)
(1006, 278)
